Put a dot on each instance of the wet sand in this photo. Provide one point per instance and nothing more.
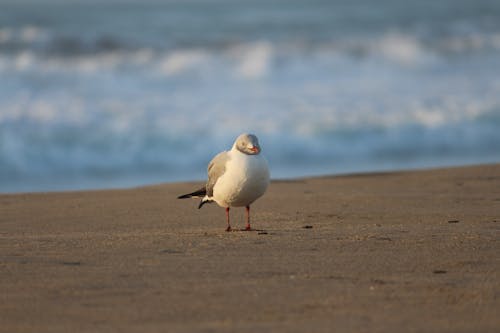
(412, 251)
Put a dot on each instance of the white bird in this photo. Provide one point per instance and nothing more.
(236, 178)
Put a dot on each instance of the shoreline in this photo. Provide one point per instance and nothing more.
(279, 179)
(384, 252)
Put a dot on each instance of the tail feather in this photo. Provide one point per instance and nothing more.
(202, 192)
(204, 201)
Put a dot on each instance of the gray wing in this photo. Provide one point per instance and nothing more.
(216, 168)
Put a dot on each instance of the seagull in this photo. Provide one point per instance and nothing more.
(236, 178)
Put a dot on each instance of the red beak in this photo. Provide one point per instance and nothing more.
(255, 149)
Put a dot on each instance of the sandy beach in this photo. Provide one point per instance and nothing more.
(414, 251)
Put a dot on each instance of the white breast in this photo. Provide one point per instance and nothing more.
(245, 180)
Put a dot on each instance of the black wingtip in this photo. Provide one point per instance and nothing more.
(197, 194)
(202, 202)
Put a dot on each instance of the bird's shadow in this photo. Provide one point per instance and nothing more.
(260, 231)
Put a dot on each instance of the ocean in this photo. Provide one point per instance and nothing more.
(111, 94)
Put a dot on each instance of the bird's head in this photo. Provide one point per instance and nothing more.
(247, 144)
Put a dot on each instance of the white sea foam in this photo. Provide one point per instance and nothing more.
(180, 61)
(30, 34)
(402, 49)
(5, 35)
(254, 59)
(471, 42)
(24, 61)
(143, 56)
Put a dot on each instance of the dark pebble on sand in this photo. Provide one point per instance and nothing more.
(71, 263)
(439, 271)
(307, 227)
(453, 221)
(171, 251)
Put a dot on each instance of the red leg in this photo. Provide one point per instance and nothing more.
(248, 219)
(227, 218)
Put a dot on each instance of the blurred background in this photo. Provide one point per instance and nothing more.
(100, 94)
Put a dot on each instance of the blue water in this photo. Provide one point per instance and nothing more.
(128, 93)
